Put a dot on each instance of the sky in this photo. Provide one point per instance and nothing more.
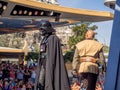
(104, 28)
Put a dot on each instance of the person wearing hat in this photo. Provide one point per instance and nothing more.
(89, 53)
(51, 73)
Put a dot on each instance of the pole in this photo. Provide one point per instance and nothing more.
(112, 80)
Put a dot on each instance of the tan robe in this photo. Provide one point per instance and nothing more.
(87, 48)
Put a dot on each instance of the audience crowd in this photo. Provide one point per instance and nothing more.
(22, 77)
(17, 77)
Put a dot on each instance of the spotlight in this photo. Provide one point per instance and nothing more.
(20, 12)
(41, 13)
(25, 12)
(4, 7)
(51, 13)
(36, 13)
(30, 13)
(14, 12)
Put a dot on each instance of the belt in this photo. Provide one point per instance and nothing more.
(88, 59)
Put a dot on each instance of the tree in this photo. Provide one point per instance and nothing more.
(106, 49)
(32, 55)
(68, 57)
(79, 35)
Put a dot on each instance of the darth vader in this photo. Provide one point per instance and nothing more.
(51, 73)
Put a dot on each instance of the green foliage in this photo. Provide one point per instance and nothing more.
(69, 55)
(79, 33)
(106, 49)
(32, 55)
(36, 47)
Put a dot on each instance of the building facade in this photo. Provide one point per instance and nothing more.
(48, 1)
(64, 33)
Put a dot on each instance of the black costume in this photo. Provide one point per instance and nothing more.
(52, 71)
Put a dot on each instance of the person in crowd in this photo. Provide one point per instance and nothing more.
(26, 75)
(89, 53)
(6, 85)
(29, 84)
(33, 75)
(12, 74)
(1, 73)
(1, 84)
(20, 74)
(5, 71)
(24, 87)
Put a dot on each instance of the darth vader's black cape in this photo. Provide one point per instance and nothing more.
(56, 75)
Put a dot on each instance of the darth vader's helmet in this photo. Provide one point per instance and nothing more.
(46, 27)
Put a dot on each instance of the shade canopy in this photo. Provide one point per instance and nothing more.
(33, 9)
(6, 52)
(25, 15)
